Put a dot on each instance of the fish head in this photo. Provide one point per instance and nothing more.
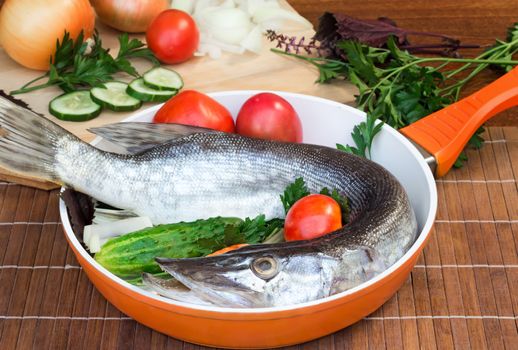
(256, 276)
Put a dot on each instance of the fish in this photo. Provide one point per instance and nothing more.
(184, 174)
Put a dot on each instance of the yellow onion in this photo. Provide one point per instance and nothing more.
(132, 16)
(29, 28)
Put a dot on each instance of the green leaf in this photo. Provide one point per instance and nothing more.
(476, 141)
(232, 235)
(293, 193)
(361, 63)
(79, 64)
(459, 163)
(258, 229)
(363, 135)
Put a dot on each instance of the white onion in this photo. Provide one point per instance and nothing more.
(254, 40)
(183, 5)
(228, 25)
(278, 19)
(238, 25)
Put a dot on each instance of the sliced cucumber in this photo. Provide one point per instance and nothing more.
(74, 106)
(114, 97)
(163, 79)
(139, 90)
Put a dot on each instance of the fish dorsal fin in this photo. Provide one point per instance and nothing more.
(139, 137)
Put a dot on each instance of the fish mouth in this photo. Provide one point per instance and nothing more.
(208, 281)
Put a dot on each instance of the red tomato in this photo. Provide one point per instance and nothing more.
(312, 216)
(269, 116)
(173, 36)
(191, 107)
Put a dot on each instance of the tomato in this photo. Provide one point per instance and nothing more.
(191, 107)
(312, 216)
(269, 116)
(173, 36)
(228, 249)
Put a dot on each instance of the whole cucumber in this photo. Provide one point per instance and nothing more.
(129, 255)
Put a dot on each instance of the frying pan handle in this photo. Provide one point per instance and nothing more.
(446, 132)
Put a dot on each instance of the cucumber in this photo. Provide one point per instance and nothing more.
(114, 97)
(139, 90)
(129, 255)
(163, 79)
(74, 106)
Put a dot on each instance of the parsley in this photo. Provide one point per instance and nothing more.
(342, 200)
(363, 135)
(79, 64)
(293, 193)
(399, 88)
(250, 231)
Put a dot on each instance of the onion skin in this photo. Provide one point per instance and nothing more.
(133, 16)
(29, 28)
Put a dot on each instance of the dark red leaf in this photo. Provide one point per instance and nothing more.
(371, 32)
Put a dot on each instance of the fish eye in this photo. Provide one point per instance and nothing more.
(265, 267)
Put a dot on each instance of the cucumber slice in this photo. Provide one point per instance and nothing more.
(114, 97)
(139, 90)
(75, 106)
(163, 79)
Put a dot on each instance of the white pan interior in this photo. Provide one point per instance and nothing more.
(326, 123)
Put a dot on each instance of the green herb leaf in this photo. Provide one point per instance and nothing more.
(293, 193)
(83, 64)
(258, 229)
(459, 163)
(363, 134)
(232, 235)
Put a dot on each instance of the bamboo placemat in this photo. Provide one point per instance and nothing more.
(463, 292)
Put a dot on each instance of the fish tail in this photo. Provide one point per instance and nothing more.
(29, 142)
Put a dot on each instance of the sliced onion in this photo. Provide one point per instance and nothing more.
(183, 5)
(238, 25)
(211, 42)
(227, 25)
(250, 6)
(280, 19)
(254, 40)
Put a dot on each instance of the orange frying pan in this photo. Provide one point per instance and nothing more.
(441, 136)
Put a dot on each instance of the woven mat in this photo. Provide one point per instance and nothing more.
(463, 292)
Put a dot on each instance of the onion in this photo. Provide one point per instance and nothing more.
(237, 25)
(228, 25)
(29, 28)
(132, 16)
(254, 40)
(183, 5)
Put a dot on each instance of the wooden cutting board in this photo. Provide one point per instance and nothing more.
(266, 71)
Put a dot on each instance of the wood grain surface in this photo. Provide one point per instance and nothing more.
(461, 294)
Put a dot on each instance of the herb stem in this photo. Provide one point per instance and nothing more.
(498, 51)
(312, 60)
(34, 80)
(438, 59)
(24, 90)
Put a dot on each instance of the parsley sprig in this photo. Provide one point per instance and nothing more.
(399, 88)
(79, 64)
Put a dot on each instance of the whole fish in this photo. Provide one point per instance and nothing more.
(204, 174)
